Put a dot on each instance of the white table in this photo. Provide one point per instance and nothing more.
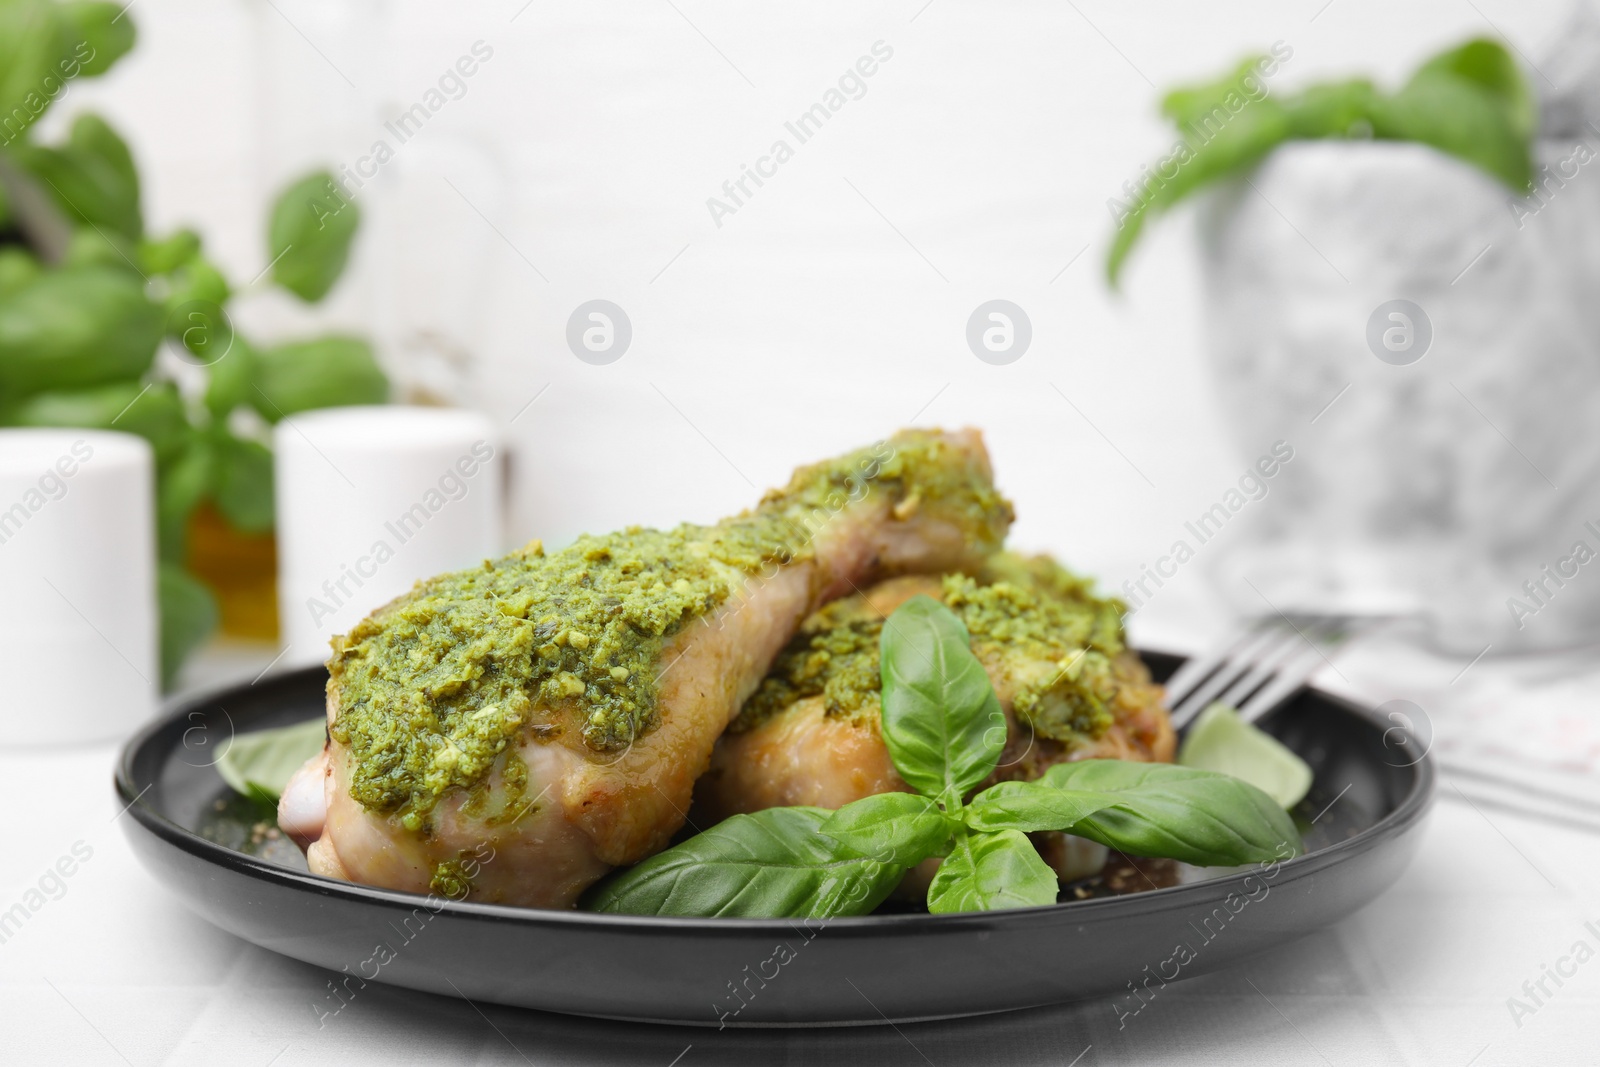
(116, 971)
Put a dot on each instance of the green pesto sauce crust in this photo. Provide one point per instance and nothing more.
(436, 686)
(1027, 614)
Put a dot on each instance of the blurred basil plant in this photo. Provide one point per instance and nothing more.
(88, 299)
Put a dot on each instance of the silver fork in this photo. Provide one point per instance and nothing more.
(1263, 666)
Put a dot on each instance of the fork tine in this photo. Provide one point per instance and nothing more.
(1198, 669)
(1268, 666)
(1272, 639)
(1288, 681)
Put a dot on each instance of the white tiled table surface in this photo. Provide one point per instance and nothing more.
(116, 971)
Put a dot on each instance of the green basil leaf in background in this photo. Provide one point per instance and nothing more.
(309, 235)
(1337, 109)
(168, 253)
(772, 864)
(180, 486)
(1460, 118)
(992, 872)
(154, 412)
(92, 177)
(229, 382)
(1197, 105)
(195, 314)
(92, 247)
(1198, 817)
(33, 40)
(77, 326)
(1219, 740)
(1471, 102)
(241, 483)
(1032, 806)
(942, 723)
(98, 33)
(1487, 64)
(197, 279)
(259, 764)
(188, 616)
(324, 373)
(902, 829)
(18, 267)
(1246, 139)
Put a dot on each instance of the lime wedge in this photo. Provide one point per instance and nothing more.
(260, 764)
(1221, 741)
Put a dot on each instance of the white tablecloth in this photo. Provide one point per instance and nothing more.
(111, 969)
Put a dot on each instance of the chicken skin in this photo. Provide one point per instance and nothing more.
(1067, 686)
(512, 732)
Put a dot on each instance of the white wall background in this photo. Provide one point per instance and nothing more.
(830, 309)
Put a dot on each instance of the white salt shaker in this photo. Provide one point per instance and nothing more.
(370, 500)
(79, 651)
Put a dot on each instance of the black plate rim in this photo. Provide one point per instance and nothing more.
(1406, 814)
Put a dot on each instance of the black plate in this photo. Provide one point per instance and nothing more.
(1372, 789)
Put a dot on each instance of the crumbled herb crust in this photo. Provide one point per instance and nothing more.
(436, 687)
(1032, 618)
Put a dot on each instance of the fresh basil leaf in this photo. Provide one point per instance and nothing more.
(309, 235)
(154, 412)
(324, 373)
(1487, 64)
(32, 40)
(1471, 102)
(942, 722)
(772, 864)
(188, 616)
(1032, 806)
(91, 177)
(259, 764)
(75, 327)
(1233, 148)
(1199, 817)
(1219, 740)
(197, 279)
(100, 34)
(180, 486)
(901, 829)
(91, 247)
(18, 267)
(242, 483)
(169, 253)
(1462, 119)
(1338, 109)
(1197, 104)
(231, 375)
(992, 872)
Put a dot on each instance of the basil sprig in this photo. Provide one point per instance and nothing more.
(944, 731)
(1471, 102)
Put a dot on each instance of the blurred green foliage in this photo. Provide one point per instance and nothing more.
(1471, 102)
(88, 300)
